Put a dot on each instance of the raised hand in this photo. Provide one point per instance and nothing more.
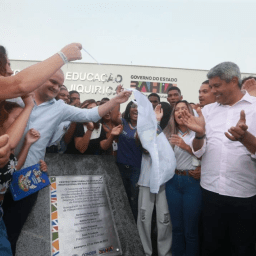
(32, 136)
(5, 150)
(119, 89)
(249, 85)
(159, 112)
(43, 166)
(123, 96)
(28, 99)
(196, 124)
(73, 51)
(117, 130)
(238, 132)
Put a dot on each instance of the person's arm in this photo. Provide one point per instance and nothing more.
(32, 77)
(5, 150)
(116, 101)
(106, 144)
(116, 110)
(240, 133)
(81, 143)
(69, 134)
(16, 130)
(31, 137)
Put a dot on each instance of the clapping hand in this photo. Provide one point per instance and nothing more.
(238, 132)
(249, 85)
(117, 130)
(196, 124)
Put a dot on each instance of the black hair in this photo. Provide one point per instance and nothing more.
(105, 99)
(71, 92)
(167, 110)
(3, 60)
(127, 111)
(155, 95)
(205, 82)
(174, 88)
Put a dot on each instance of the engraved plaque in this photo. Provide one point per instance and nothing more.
(81, 218)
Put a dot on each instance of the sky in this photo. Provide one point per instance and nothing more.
(178, 34)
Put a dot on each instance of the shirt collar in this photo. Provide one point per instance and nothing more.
(50, 102)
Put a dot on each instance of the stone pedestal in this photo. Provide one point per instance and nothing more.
(35, 237)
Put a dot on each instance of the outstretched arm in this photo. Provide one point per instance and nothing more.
(32, 77)
(114, 102)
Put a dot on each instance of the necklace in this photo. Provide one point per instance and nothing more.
(132, 127)
(106, 125)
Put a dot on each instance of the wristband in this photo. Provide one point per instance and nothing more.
(63, 56)
(200, 138)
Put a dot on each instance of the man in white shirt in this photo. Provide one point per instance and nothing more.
(226, 141)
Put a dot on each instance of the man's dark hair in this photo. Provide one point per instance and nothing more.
(247, 78)
(3, 50)
(64, 86)
(205, 82)
(105, 99)
(3, 60)
(174, 88)
(155, 95)
(71, 92)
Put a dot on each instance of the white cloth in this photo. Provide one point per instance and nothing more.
(228, 168)
(157, 146)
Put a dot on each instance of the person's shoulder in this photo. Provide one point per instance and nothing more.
(209, 107)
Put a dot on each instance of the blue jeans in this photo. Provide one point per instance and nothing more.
(130, 176)
(5, 246)
(184, 197)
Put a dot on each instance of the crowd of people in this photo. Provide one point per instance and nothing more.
(207, 208)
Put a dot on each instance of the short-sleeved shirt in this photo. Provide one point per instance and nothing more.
(96, 137)
(129, 152)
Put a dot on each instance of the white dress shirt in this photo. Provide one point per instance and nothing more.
(228, 168)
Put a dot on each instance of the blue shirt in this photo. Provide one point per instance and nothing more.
(46, 118)
(128, 152)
